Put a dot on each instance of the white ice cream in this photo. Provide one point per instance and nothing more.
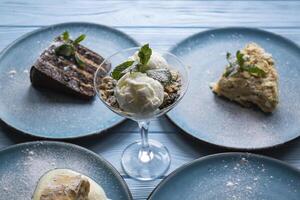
(156, 60)
(139, 94)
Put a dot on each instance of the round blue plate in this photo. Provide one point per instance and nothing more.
(22, 166)
(231, 176)
(49, 114)
(217, 121)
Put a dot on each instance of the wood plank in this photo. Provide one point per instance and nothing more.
(182, 147)
(162, 24)
(141, 190)
(149, 14)
(160, 38)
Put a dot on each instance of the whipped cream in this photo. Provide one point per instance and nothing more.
(139, 94)
(156, 60)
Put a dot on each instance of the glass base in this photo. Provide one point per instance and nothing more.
(145, 165)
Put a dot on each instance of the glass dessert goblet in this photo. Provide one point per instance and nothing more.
(144, 159)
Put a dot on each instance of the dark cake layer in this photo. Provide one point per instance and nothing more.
(64, 74)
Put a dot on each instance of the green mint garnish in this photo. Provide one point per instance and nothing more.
(228, 56)
(68, 50)
(65, 36)
(141, 68)
(240, 59)
(145, 54)
(79, 39)
(230, 68)
(117, 73)
(65, 49)
(256, 71)
(78, 60)
(239, 65)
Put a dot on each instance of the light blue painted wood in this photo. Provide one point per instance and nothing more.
(162, 24)
(152, 14)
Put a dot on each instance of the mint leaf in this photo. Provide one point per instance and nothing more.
(240, 59)
(145, 54)
(66, 50)
(228, 71)
(230, 68)
(228, 56)
(255, 71)
(79, 39)
(141, 68)
(239, 65)
(117, 73)
(65, 36)
(78, 60)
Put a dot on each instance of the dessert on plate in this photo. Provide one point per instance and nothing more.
(65, 184)
(67, 66)
(250, 78)
(142, 84)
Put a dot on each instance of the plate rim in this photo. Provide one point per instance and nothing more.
(233, 28)
(221, 155)
(78, 147)
(44, 28)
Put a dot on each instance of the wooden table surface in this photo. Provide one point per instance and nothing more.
(162, 24)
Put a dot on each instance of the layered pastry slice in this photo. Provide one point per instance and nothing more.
(65, 184)
(250, 78)
(67, 66)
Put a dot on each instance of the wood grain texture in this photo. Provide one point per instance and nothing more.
(162, 24)
(159, 38)
(183, 149)
(152, 14)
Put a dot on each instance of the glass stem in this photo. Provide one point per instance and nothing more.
(144, 127)
(145, 153)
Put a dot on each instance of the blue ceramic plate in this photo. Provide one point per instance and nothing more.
(49, 114)
(231, 176)
(217, 121)
(22, 165)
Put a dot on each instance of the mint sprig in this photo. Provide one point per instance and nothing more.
(79, 39)
(65, 36)
(239, 65)
(240, 59)
(67, 49)
(255, 71)
(144, 55)
(117, 73)
(78, 60)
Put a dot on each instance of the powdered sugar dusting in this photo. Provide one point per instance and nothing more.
(240, 177)
(25, 167)
(225, 123)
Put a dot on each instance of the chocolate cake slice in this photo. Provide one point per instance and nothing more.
(68, 67)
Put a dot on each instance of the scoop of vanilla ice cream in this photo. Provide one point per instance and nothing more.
(156, 60)
(139, 94)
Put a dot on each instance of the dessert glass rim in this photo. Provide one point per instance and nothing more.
(156, 113)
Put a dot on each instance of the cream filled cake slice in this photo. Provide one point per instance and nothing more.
(65, 184)
(250, 79)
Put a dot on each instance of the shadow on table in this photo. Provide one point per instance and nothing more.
(184, 142)
(14, 136)
(204, 148)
